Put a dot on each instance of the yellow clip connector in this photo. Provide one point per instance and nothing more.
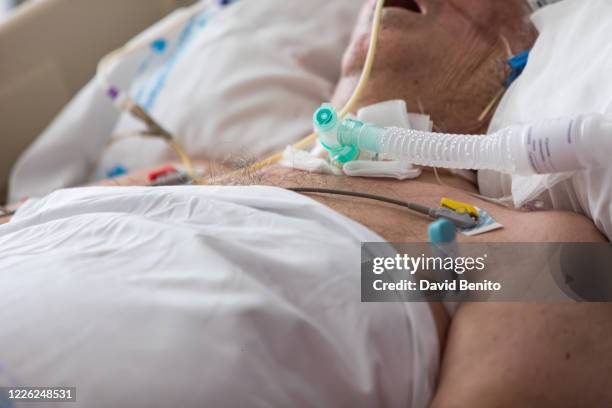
(459, 207)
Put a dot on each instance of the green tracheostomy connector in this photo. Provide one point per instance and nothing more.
(345, 139)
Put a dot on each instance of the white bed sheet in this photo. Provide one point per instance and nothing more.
(203, 297)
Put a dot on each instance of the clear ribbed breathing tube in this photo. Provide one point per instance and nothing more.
(552, 146)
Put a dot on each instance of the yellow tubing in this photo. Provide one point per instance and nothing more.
(182, 154)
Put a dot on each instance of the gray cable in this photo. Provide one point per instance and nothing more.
(460, 220)
(412, 206)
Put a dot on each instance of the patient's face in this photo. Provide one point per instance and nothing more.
(446, 58)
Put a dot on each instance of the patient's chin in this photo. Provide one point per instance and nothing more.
(376, 90)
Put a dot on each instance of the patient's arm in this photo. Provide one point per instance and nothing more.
(528, 355)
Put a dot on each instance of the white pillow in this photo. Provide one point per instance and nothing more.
(568, 74)
(245, 83)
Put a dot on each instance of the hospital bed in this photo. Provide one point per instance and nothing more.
(49, 49)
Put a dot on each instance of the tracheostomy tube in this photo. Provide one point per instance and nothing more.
(551, 146)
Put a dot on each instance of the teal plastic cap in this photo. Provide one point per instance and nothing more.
(325, 117)
(442, 232)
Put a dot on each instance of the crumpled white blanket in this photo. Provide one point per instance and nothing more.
(203, 297)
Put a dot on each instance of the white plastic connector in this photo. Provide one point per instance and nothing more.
(553, 146)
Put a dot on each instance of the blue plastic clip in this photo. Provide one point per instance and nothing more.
(159, 46)
(442, 232)
(117, 171)
(517, 66)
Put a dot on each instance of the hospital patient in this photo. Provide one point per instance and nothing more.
(447, 57)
